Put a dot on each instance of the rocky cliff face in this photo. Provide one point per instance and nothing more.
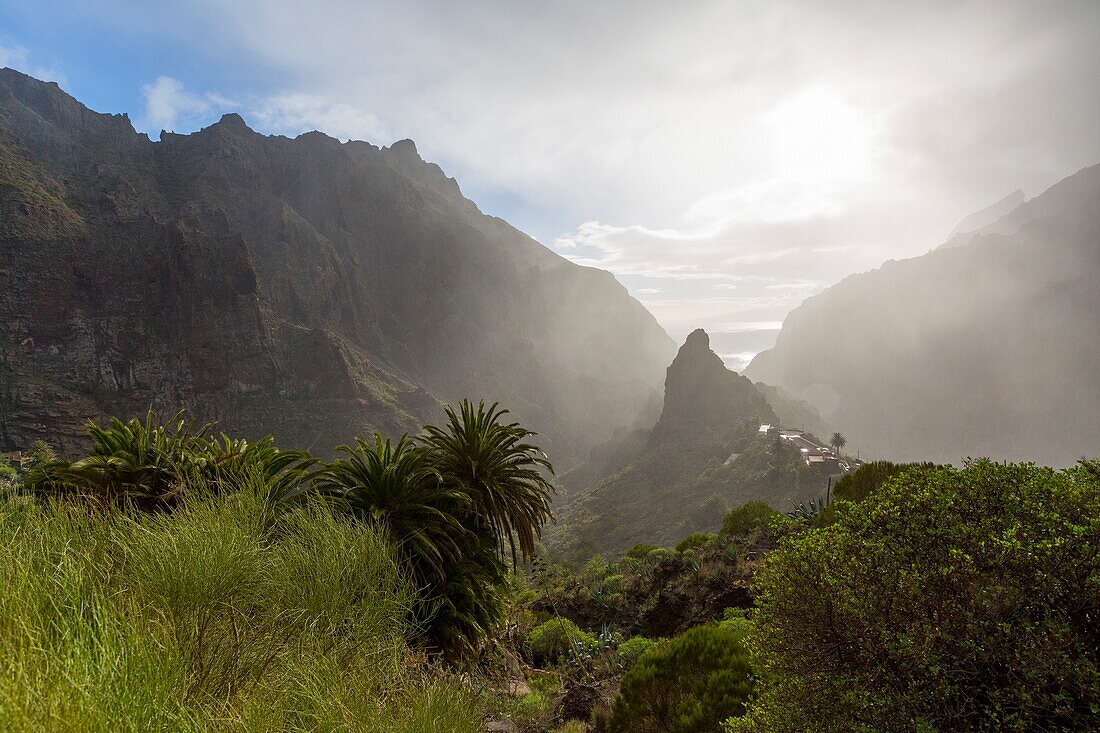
(702, 396)
(703, 456)
(306, 287)
(989, 348)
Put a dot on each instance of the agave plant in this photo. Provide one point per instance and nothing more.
(503, 476)
(806, 512)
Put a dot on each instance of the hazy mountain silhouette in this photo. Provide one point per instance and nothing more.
(978, 220)
(989, 348)
(306, 287)
(704, 455)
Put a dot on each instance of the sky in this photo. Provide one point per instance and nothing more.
(725, 160)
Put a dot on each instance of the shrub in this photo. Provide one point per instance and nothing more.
(637, 552)
(948, 599)
(692, 541)
(859, 484)
(736, 619)
(631, 650)
(9, 478)
(149, 465)
(748, 518)
(555, 639)
(689, 686)
(531, 710)
(573, 726)
(657, 554)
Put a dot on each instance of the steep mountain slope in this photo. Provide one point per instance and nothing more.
(989, 215)
(985, 349)
(703, 455)
(299, 286)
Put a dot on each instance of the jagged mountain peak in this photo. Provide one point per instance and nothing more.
(405, 150)
(700, 391)
(233, 121)
(305, 287)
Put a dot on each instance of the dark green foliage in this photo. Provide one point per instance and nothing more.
(947, 599)
(148, 465)
(555, 640)
(470, 604)
(692, 541)
(662, 592)
(631, 650)
(505, 500)
(748, 518)
(456, 505)
(639, 551)
(857, 485)
(9, 477)
(688, 686)
(40, 453)
(140, 463)
(231, 463)
(395, 486)
(503, 476)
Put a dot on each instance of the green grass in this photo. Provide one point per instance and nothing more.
(224, 615)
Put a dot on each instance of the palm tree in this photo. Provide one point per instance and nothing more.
(503, 476)
(149, 466)
(143, 464)
(231, 464)
(838, 442)
(395, 486)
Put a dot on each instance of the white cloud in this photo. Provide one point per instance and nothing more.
(168, 105)
(694, 145)
(296, 112)
(17, 57)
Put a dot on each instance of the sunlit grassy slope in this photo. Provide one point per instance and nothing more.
(224, 615)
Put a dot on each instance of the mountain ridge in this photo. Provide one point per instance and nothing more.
(987, 349)
(303, 286)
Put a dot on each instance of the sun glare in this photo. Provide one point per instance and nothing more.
(819, 138)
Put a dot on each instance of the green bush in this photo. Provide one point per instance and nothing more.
(631, 650)
(637, 552)
(657, 554)
(692, 541)
(736, 619)
(948, 599)
(9, 478)
(555, 639)
(859, 484)
(747, 518)
(689, 686)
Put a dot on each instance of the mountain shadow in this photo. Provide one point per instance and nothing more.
(306, 287)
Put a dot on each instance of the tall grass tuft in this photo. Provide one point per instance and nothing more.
(226, 614)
